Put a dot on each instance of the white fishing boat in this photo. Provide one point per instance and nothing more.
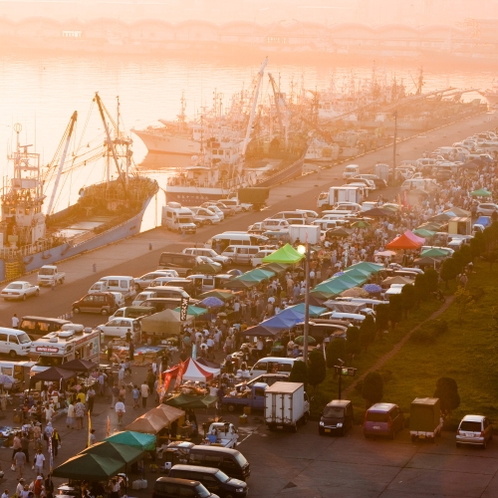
(32, 235)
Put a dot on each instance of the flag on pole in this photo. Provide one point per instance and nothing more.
(89, 415)
(179, 375)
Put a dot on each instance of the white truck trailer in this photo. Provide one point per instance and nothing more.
(305, 233)
(344, 193)
(286, 405)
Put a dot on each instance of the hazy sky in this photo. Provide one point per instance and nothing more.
(372, 12)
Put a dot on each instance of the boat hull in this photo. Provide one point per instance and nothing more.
(67, 250)
(168, 144)
(193, 196)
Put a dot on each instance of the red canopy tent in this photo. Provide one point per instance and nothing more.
(406, 241)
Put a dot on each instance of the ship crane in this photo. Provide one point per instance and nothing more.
(279, 102)
(255, 98)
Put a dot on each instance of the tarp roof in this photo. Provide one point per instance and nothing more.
(366, 265)
(90, 467)
(79, 365)
(286, 254)
(53, 373)
(131, 438)
(118, 451)
(164, 323)
(189, 401)
(408, 240)
(199, 373)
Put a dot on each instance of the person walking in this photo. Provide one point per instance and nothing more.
(93, 437)
(25, 446)
(79, 413)
(47, 433)
(16, 445)
(38, 486)
(135, 394)
(39, 462)
(71, 414)
(56, 442)
(15, 321)
(120, 410)
(19, 462)
(90, 399)
(144, 393)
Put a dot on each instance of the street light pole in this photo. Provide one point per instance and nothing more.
(395, 141)
(306, 329)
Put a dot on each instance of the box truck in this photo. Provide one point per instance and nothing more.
(425, 418)
(345, 193)
(305, 233)
(286, 405)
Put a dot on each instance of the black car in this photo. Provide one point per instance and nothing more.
(168, 487)
(214, 479)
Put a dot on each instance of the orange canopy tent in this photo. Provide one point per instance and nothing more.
(406, 241)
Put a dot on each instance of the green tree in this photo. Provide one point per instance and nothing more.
(317, 369)
(382, 318)
(447, 392)
(335, 349)
(353, 341)
(420, 289)
(432, 278)
(395, 309)
(299, 372)
(464, 301)
(367, 332)
(372, 389)
(408, 297)
(449, 270)
(491, 257)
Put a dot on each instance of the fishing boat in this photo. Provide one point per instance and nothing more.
(32, 236)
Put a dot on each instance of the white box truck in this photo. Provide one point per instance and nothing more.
(305, 233)
(345, 193)
(286, 405)
(50, 275)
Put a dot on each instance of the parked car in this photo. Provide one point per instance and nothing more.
(20, 290)
(474, 430)
(383, 419)
(257, 259)
(337, 417)
(217, 207)
(378, 182)
(205, 216)
(119, 327)
(145, 280)
(486, 209)
(96, 302)
(210, 253)
(172, 487)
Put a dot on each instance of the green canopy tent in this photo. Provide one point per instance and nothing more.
(194, 311)
(222, 294)
(330, 288)
(286, 254)
(275, 267)
(189, 401)
(435, 252)
(367, 266)
(482, 192)
(89, 466)
(258, 273)
(242, 284)
(423, 232)
(117, 451)
(137, 439)
(315, 311)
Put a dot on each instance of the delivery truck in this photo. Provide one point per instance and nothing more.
(305, 233)
(286, 405)
(425, 418)
(345, 193)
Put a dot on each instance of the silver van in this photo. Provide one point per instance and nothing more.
(14, 342)
(116, 283)
(273, 364)
(242, 254)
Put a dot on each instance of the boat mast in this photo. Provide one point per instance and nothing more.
(253, 109)
(109, 142)
(67, 138)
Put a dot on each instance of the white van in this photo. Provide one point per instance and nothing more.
(177, 218)
(427, 184)
(275, 224)
(221, 241)
(123, 284)
(273, 364)
(350, 171)
(354, 318)
(241, 255)
(14, 342)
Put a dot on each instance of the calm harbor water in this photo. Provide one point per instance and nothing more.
(41, 93)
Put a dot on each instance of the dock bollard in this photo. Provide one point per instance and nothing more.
(150, 246)
(94, 268)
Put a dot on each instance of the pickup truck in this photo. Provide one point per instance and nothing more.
(50, 275)
(222, 434)
(254, 397)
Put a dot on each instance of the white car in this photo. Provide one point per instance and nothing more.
(119, 298)
(210, 253)
(119, 327)
(487, 209)
(257, 259)
(20, 290)
(143, 296)
(237, 206)
(211, 261)
(205, 216)
(351, 207)
(145, 280)
(215, 209)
